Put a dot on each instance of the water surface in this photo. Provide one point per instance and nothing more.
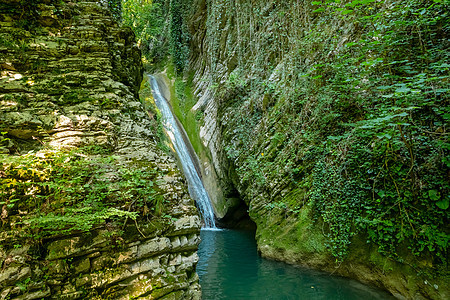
(230, 268)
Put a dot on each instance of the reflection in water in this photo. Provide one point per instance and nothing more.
(230, 268)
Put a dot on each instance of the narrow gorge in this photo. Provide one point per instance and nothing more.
(327, 122)
(319, 125)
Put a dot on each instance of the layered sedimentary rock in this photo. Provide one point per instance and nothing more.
(70, 78)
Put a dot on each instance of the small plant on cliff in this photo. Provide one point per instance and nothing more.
(115, 6)
(4, 142)
(27, 11)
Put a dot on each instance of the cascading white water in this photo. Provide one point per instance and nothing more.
(195, 184)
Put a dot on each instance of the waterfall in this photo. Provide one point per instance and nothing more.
(195, 184)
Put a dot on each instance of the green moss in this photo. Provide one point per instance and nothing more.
(182, 101)
(293, 198)
(294, 234)
(381, 262)
(310, 236)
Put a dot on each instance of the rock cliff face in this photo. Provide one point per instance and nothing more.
(90, 207)
(279, 84)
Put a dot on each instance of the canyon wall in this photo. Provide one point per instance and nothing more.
(90, 206)
(328, 120)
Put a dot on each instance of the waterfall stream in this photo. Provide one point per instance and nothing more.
(175, 133)
(229, 265)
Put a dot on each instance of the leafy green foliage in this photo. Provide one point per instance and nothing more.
(395, 149)
(179, 38)
(54, 192)
(161, 30)
(147, 19)
(353, 107)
